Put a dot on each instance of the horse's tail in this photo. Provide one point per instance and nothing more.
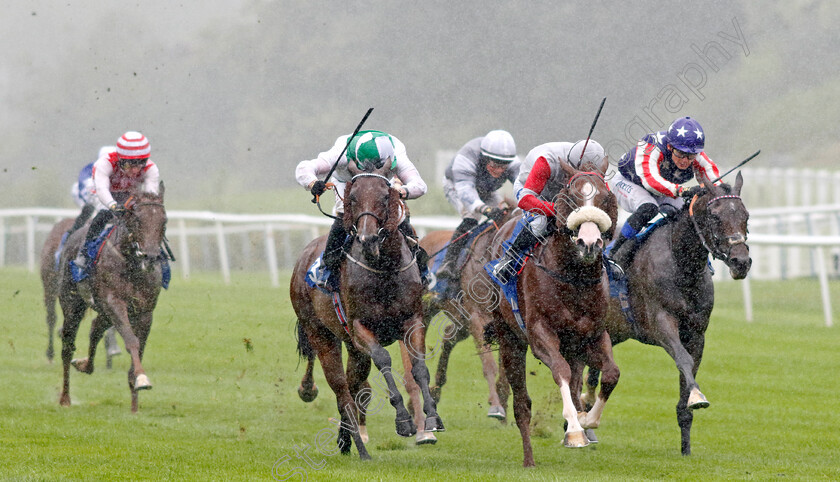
(304, 349)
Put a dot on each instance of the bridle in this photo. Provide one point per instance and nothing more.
(136, 251)
(733, 240)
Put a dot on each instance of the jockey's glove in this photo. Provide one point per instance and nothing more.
(494, 213)
(318, 188)
(117, 209)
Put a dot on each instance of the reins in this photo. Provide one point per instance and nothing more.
(733, 240)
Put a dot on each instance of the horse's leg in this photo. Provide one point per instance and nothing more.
(136, 382)
(414, 404)
(328, 348)
(587, 399)
(112, 348)
(599, 355)
(502, 386)
(546, 347)
(685, 413)
(488, 365)
(669, 339)
(449, 343)
(415, 338)
(307, 391)
(358, 369)
(365, 340)
(97, 329)
(117, 311)
(73, 308)
(512, 352)
(50, 295)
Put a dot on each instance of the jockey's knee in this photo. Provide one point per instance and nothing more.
(643, 215)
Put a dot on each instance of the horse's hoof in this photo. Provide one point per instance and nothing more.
(82, 364)
(697, 400)
(434, 424)
(497, 412)
(435, 393)
(575, 439)
(425, 438)
(583, 418)
(406, 428)
(590, 434)
(64, 401)
(308, 395)
(363, 433)
(142, 382)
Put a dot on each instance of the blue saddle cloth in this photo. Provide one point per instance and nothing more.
(440, 285)
(315, 271)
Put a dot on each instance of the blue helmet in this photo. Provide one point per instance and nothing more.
(685, 134)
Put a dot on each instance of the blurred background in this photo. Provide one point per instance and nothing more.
(234, 93)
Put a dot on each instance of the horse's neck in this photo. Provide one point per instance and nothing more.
(686, 247)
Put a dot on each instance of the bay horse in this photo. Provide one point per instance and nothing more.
(671, 291)
(122, 288)
(563, 293)
(49, 280)
(381, 292)
(465, 318)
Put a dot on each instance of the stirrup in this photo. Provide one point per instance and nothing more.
(504, 270)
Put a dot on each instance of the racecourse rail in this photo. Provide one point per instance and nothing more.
(799, 239)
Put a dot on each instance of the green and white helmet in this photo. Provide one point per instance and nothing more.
(370, 149)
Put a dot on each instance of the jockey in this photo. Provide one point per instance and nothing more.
(114, 176)
(650, 176)
(472, 183)
(83, 192)
(540, 179)
(365, 148)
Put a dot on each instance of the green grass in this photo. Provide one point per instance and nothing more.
(222, 411)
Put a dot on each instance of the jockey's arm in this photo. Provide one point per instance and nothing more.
(151, 179)
(707, 166)
(408, 174)
(537, 179)
(311, 170)
(463, 177)
(647, 162)
(102, 171)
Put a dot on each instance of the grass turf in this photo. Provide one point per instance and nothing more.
(224, 405)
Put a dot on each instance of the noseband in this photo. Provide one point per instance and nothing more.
(733, 240)
(380, 222)
(138, 253)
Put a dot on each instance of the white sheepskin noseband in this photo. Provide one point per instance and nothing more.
(588, 213)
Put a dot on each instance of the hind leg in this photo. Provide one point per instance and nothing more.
(358, 369)
(690, 398)
(97, 329)
(73, 308)
(449, 341)
(414, 403)
(307, 391)
(513, 353)
(488, 366)
(49, 303)
(415, 340)
(112, 348)
(599, 355)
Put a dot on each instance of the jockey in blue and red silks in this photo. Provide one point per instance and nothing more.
(650, 176)
(115, 174)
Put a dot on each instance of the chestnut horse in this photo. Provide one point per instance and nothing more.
(563, 294)
(123, 288)
(464, 318)
(380, 293)
(49, 280)
(671, 291)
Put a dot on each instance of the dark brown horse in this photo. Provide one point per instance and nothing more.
(381, 294)
(671, 290)
(456, 319)
(123, 288)
(562, 297)
(49, 280)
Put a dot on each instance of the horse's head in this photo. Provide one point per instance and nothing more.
(587, 209)
(371, 208)
(720, 218)
(145, 223)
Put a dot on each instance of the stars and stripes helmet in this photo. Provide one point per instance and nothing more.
(685, 134)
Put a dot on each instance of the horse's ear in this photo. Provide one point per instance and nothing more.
(351, 167)
(739, 182)
(568, 169)
(384, 170)
(701, 177)
(600, 165)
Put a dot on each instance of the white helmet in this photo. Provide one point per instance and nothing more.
(498, 146)
(594, 154)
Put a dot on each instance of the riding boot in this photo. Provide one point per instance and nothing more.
(519, 244)
(83, 257)
(631, 228)
(333, 253)
(448, 269)
(422, 256)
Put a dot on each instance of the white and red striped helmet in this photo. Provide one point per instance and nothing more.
(133, 145)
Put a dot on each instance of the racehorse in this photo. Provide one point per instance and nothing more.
(562, 295)
(380, 300)
(49, 280)
(123, 288)
(466, 318)
(671, 291)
